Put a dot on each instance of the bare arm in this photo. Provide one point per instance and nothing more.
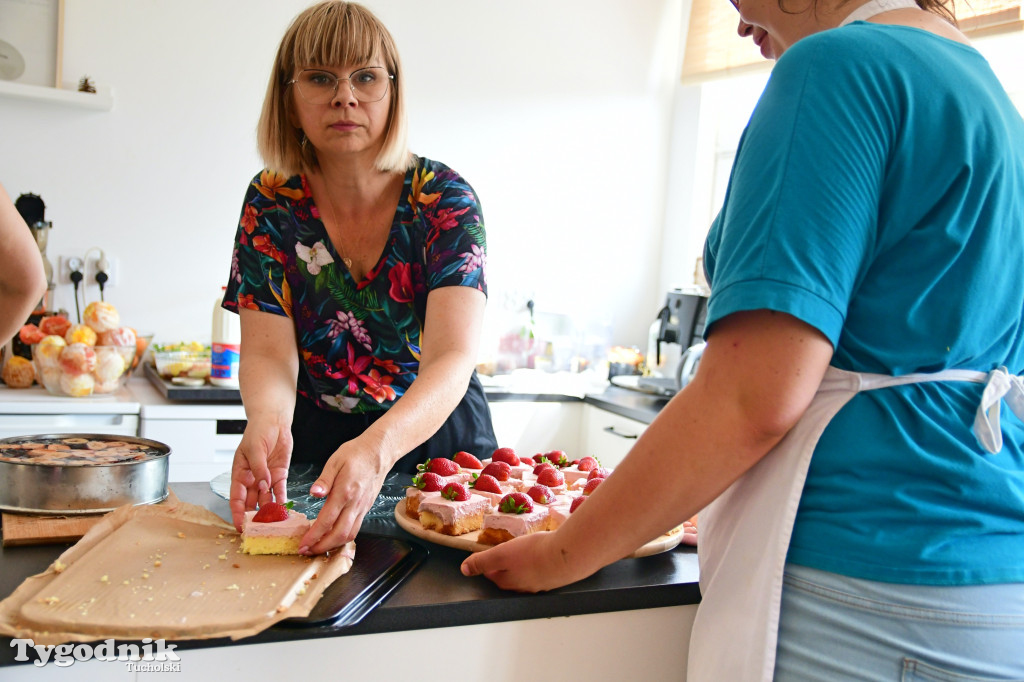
(22, 280)
(353, 476)
(758, 374)
(267, 373)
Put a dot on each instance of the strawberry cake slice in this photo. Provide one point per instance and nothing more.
(447, 469)
(425, 485)
(455, 511)
(580, 470)
(273, 529)
(516, 515)
(517, 467)
(488, 486)
(468, 462)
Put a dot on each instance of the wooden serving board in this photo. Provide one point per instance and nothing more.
(26, 529)
(468, 541)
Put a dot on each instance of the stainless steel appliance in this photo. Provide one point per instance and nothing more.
(675, 342)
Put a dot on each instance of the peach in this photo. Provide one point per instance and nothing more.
(77, 385)
(79, 333)
(101, 316)
(78, 358)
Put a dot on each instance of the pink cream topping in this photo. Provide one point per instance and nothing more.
(295, 525)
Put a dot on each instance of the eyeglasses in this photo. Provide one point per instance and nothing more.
(317, 86)
(735, 4)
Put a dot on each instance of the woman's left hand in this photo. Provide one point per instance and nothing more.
(351, 481)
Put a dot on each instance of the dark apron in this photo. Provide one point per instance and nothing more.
(318, 433)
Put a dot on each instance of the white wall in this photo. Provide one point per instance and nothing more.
(558, 113)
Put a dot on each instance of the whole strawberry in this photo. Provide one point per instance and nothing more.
(541, 494)
(576, 503)
(540, 457)
(516, 503)
(500, 470)
(456, 492)
(507, 455)
(587, 464)
(591, 485)
(551, 477)
(557, 457)
(440, 466)
(486, 483)
(541, 467)
(599, 472)
(467, 460)
(428, 482)
(271, 512)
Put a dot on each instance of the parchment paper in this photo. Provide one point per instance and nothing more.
(165, 572)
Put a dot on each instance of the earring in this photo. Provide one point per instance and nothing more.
(304, 141)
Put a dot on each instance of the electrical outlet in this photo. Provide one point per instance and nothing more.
(111, 270)
(67, 265)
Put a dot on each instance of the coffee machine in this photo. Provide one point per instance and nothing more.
(675, 341)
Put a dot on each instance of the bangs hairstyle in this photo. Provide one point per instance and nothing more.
(330, 34)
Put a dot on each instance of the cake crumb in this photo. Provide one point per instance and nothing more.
(206, 566)
(50, 601)
(158, 563)
(59, 566)
(223, 557)
(181, 535)
(145, 576)
(104, 579)
(232, 587)
(236, 565)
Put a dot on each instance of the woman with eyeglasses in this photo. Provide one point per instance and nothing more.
(861, 498)
(358, 276)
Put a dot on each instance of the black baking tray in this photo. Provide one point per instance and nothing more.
(382, 563)
(206, 392)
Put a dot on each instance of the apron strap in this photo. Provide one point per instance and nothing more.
(1000, 384)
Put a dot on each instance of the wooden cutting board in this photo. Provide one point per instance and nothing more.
(25, 529)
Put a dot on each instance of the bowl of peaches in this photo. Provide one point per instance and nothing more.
(95, 357)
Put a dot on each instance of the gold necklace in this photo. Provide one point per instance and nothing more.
(341, 247)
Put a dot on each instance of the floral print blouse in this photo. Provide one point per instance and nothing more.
(359, 342)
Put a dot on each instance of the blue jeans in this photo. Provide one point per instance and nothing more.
(837, 628)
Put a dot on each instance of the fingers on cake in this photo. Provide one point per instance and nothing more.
(503, 496)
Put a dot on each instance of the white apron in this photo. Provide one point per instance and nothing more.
(745, 532)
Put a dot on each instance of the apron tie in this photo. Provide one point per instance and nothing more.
(1001, 384)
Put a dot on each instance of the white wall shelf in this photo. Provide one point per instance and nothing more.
(101, 100)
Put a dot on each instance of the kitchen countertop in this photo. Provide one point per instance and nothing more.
(436, 595)
(140, 396)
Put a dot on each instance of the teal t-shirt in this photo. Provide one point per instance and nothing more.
(878, 195)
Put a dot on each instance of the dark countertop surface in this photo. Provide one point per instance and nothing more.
(436, 594)
(637, 405)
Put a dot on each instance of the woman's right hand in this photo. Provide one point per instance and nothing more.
(259, 472)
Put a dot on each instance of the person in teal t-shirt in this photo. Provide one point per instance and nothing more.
(867, 289)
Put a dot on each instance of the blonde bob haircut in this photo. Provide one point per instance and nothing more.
(329, 34)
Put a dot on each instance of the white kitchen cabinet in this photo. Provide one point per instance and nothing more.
(608, 436)
(533, 427)
(202, 436)
(34, 411)
(201, 449)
